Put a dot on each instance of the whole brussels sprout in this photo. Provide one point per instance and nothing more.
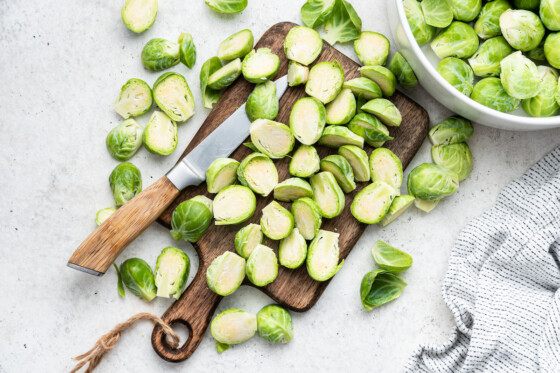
(358, 159)
(225, 274)
(191, 219)
(431, 182)
(172, 271)
(342, 108)
(291, 189)
(336, 136)
(138, 277)
(225, 76)
(325, 81)
(236, 45)
(486, 61)
(382, 76)
(297, 74)
(187, 50)
(233, 205)
(221, 173)
(160, 135)
(422, 31)
(160, 54)
(173, 96)
(276, 221)
(549, 12)
(227, 7)
(307, 120)
(233, 326)
(544, 103)
(379, 287)
(465, 10)
(259, 173)
(385, 166)
(373, 202)
(526, 4)
(370, 128)
(124, 140)
(247, 238)
(139, 15)
(307, 217)
(262, 266)
(491, 93)
(303, 45)
(389, 258)
(385, 111)
(399, 205)
(372, 48)
(327, 194)
(135, 99)
(104, 214)
(488, 23)
(125, 182)
(274, 324)
(273, 139)
(455, 157)
(262, 103)
(437, 13)
(458, 40)
(292, 250)
(519, 76)
(260, 65)
(305, 161)
(323, 256)
(341, 170)
(522, 29)
(402, 71)
(209, 96)
(552, 49)
(452, 130)
(457, 73)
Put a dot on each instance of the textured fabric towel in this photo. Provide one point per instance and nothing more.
(503, 281)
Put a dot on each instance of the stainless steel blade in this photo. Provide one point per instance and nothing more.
(220, 143)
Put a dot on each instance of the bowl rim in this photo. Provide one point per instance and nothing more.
(542, 122)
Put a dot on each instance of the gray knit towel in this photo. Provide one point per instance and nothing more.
(503, 281)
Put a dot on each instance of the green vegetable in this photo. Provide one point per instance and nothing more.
(522, 29)
(384, 78)
(125, 182)
(104, 214)
(552, 49)
(370, 128)
(343, 25)
(247, 238)
(160, 135)
(303, 45)
(187, 50)
(390, 259)
(363, 86)
(232, 326)
(297, 74)
(358, 159)
(465, 10)
(138, 277)
(191, 219)
(139, 15)
(314, 13)
(526, 4)
(262, 266)
(341, 170)
(276, 221)
(458, 40)
(490, 92)
(221, 347)
(292, 250)
(385, 110)
(403, 72)
(437, 13)
(173, 96)
(386, 167)
(260, 65)
(225, 274)
(431, 182)
(160, 54)
(291, 189)
(262, 103)
(120, 286)
(457, 73)
(337, 136)
(274, 324)
(399, 205)
(233, 205)
(236, 46)
(225, 76)
(425, 206)
(323, 256)
(422, 32)
(325, 81)
(549, 11)
(172, 272)
(305, 161)
(372, 48)
(537, 54)
(373, 202)
(519, 76)
(258, 172)
(307, 217)
(452, 130)
(379, 287)
(135, 99)
(486, 61)
(209, 96)
(488, 23)
(272, 138)
(307, 120)
(455, 157)
(227, 6)
(327, 194)
(544, 103)
(221, 173)
(342, 108)
(124, 140)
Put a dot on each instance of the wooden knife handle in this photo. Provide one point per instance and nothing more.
(96, 254)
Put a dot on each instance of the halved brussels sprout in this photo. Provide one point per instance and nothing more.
(221, 173)
(227, 6)
(370, 128)
(260, 65)
(337, 136)
(458, 40)
(307, 120)
(437, 13)
(457, 73)
(358, 159)
(343, 25)
(187, 50)
(172, 272)
(303, 45)
(431, 182)
(486, 61)
(452, 130)
(385, 166)
(125, 182)
(488, 23)
(104, 214)
(234, 204)
(225, 76)
(247, 238)
(191, 219)
(305, 161)
(262, 103)
(490, 92)
(522, 29)
(297, 74)
(385, 110)
(236, 45)
(425, 206)
(262, 266)
(139, 15)
(399, 205)
(314, 13)
(160, 54)
(382, 76)
(325, 81)
(403, 72)
(341, 170)
(135, 99)
(363, 86)
(124, 140)
(520, 76)
(276, 221)
(422, 32)
(373, 202)
(160, 135)
(292, 250)
(455, 157)
(327, 194)
(259, 173)
(389, 258)
(232, 326)
(272, 138)
(342, 108)
(173, 96)
(209, 96)
(226, 273)
(292, 189)
(138, 277)
(465, 10)
(323, 256)
(549, 11)
(307, 216)
(544, 103)
(274, 324)
(552, 48)
(379, 287)
(372, 48)
(526, 4)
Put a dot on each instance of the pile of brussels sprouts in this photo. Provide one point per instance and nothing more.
(501, 43)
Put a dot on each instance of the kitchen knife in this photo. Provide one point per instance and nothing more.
(96, 254)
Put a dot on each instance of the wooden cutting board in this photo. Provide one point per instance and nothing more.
(293, 289)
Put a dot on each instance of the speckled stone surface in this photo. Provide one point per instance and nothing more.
(62, 66)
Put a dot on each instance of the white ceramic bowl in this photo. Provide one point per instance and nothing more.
(424, 62)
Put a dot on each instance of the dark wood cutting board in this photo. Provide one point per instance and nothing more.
(293, 289)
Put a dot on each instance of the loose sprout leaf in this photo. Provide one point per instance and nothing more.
(343, 25)
(379, 287)
(221, 347)
(314, 13)
(233, 326)
(120, 286)
(209, 96)
(437, 13)
(274, 324)
(227, 6)
(187, 51)
(389, 258)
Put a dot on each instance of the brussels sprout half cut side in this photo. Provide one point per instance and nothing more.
(337, 136)
(124, 140)
(125, 182)
(425, 206)
(371, 129)
(104, 214)
(431, 182)
(325, 81)
(491, 93)
(135, 99)
(452, 130)
(138, 277)
(172, 272)
(221, 173)
(236, 45)
(385, 110)
(139, 15)
(305, 161)
(379, 287)
(372, 48)
(385, 166)
(292, 189)
(234, 204)
(358, 159)
(457, 73)
(297, 74)
(260, 65)
(400, 204)
(307, 120)
(191, 218)
(372, 203)
(522, 29)
(341, 170)
(272, 138)
(382, 76)
(160, 135)
(225, 76)
(390, 259)
(314, 13)
(233, 326)
(274, 324)
(247, 238)
(292, 250)
(363, 86)
(276, 221)
(160, 54)
(520, 76)
(263, 102)
(342, 108)
(173, 96)
(458, 40)
(455, 157)
(307, 216)
(262, 266)
(323, 256)
(226, 273)
(303, 45)
(327, 194)
(259, 173)
(403, 72)
(187, 50)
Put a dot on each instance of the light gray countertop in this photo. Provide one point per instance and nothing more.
(61, 68)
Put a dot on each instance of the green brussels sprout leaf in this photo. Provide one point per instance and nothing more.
(520, 76)
(544, 104)
(227, 6)
(399, 205)
(422, 31)
(486, 61)
(488, 23)
(465, 10)
(522, 29)
(379, 287)
(552, 48)
(343, 25)
(209, 96)
(314, 13)
(390, 259)
(187, 50)
(120, 286)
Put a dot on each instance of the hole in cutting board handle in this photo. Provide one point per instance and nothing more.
(183, 330)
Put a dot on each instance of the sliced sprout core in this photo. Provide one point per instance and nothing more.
(236, 45)
(341, 170)
(293, 250)
(292, 189)
(305, 161)
(325, 81)
(173, 96)
(307, 216)
(160, 134)
(358, 159)
(297, 74)
(372, 48)
(276, 221)
(104, 214)
(307, 120)
(172, 272)
(323, 256)
(385, 166)
(221, 173)
(259, 173)
(382, 76)
(247, 238)
(260, 65)
(262, 266)
(342, 108)
(225, 76)
(272, 138)
(234, 204)
(226, 273)
(327, 194)
(233, 326)
(363, 86)
(135, 99)
(303, 45)
(139, 15)
(337, 136)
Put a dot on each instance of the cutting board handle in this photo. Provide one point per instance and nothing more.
(194, 310)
